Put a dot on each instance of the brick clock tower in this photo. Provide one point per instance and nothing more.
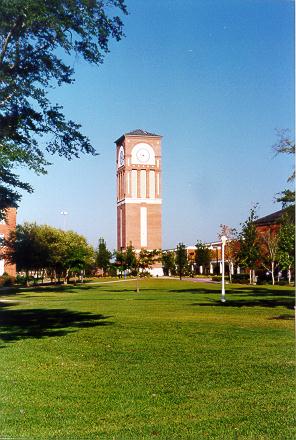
(139, 203)
(6, 227)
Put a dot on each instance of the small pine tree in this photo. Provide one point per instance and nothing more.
(103, 256)
(249, 252)
(181, 259)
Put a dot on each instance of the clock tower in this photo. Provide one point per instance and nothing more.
(138, 165)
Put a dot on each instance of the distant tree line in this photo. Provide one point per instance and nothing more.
(48, 252)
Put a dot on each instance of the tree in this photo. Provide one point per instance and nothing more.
(24, 249)
(146, 259)
(168, 262)
(37, 40)
(126, 260)
(103, 256)
(202, 255)
(181, 259)
(286, 245)
(285, 145)
(249, 252)
(120, 261)
(35, 248)
(76, 254)
(268, 241)
(231, 247)
(130, 258)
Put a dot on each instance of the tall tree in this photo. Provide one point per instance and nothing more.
(181, 259)
(37, 40)
(249, 252)
(268, 241)
(77, 254)
(168, 262)
(24, 248)
(130, 258)
(202, 255)
(286, 245)
(103, 256)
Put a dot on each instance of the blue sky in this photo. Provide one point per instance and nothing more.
(215, 78)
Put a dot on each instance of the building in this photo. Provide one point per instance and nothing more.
(272, 221)
(6, 226)
(215, 264)
(139, 200)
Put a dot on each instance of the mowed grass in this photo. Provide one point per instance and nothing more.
(172, 362)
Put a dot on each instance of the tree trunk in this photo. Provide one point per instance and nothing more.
(250, 276)
(289, 274)
(253, 276)
(272, 272)
(27, 278)
(137, 283)
(66, 277)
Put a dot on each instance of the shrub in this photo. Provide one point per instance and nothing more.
(20, 279)
(6, 280)
(144, 274)
(240, 278)
(219, 278)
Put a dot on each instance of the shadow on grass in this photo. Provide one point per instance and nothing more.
(284, 317)
(272, 302)
(41, 323)
(245, 290)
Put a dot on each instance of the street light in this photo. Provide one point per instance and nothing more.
(223, 239)
(64, 213)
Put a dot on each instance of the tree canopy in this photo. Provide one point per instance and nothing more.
(37, 40)
(181, 259)
(249, 250)
(36, 248)
(202, 255)
(285, 145)
(103, 256)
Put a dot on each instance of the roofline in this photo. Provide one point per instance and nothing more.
(137, 135)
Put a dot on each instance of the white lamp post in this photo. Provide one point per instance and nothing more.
(64, 213)
(223, 239)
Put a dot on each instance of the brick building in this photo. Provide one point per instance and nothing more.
(6, 226)
(272, 221)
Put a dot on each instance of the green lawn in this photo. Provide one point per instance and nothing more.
(172, 362)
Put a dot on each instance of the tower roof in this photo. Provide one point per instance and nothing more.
(137, 132)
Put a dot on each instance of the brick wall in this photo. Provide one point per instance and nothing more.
(5, 228)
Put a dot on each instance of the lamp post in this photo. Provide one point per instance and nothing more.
(223, 239)
(64, 213)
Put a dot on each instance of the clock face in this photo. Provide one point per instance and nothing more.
(121, 157)
(143, 155)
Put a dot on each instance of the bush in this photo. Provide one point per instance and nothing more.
(219, 278)
(145, 274)
(20, 279)
(6, 280)
(240, 278)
